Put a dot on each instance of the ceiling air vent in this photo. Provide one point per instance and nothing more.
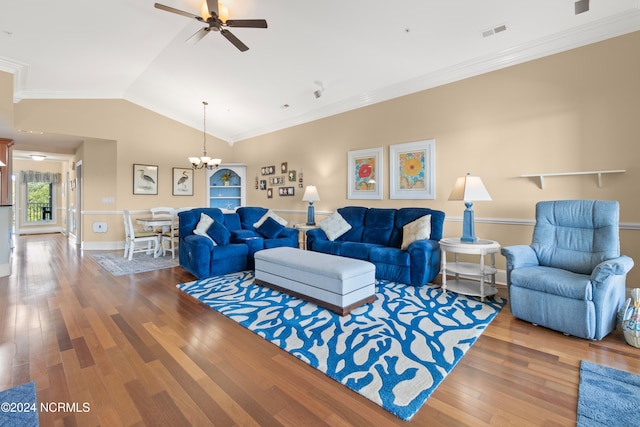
(495, 30)
(581, 6)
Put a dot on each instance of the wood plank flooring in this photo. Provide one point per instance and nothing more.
(136, 351)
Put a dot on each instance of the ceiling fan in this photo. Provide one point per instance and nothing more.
(216, 17)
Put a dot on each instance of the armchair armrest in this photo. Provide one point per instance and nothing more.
(519, 256)
(612, 267)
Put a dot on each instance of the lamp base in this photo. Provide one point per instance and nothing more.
(311, 214)
(468, 229)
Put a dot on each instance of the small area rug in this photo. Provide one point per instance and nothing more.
(19, 406)
(394, 352)
(607, 397)
(118, 265)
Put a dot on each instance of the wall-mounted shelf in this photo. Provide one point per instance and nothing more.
(542, 176)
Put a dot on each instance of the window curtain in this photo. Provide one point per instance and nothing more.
(37, 176)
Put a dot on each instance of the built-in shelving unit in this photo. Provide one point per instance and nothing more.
(227, 194)
(542, 176)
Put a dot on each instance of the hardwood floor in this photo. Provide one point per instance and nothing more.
(140, 352)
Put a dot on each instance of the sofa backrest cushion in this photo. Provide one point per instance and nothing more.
(378, 226)
(406, 215)
(249, 215)
(232, 221)
(354, 215)
(188, 220)
(576, 235)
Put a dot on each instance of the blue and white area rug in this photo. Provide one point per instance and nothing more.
(394, 352)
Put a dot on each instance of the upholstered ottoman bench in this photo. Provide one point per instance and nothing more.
(337, 283)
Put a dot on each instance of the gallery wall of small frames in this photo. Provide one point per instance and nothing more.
(282, 180)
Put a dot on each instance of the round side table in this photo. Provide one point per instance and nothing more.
(302, 230)
(469, 278)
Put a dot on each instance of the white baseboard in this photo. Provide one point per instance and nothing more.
(102, 246)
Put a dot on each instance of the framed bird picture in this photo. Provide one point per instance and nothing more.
(182, 182)
(145, 179)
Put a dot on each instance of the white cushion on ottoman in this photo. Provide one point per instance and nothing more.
(339, 282)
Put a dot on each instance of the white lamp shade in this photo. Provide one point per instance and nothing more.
(311, 194)
(469, 188)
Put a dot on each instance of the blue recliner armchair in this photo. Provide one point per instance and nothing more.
(572, 276)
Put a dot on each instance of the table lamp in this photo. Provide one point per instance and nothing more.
(310, 195)
(469, 188)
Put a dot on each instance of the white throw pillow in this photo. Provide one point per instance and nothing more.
(271, 214)
(203, 225)
(334, 226)
(420, 229)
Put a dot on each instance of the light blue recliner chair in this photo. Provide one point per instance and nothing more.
(572, 276)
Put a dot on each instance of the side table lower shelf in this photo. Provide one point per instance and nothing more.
(470, 287)
(475, 279)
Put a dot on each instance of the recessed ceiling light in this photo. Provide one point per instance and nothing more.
(38, 157)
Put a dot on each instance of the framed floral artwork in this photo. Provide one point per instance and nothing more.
(365, 174)
(413, 170)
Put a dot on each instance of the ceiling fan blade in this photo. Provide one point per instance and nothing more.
(178, 11)
(198, 35)
(212, 5)
(234, 40)
(247, 23)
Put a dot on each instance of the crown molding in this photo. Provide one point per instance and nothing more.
(19, 71)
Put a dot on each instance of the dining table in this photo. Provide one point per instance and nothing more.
(149, 223)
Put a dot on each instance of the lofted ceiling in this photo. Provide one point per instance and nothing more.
(355, 52)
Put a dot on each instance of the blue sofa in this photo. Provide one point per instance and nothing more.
(237, 240)
(376, 236)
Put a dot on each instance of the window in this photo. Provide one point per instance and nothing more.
(38, 201)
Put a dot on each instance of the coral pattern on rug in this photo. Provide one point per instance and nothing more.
(394, 352)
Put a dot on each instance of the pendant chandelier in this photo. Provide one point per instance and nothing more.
(204, 161)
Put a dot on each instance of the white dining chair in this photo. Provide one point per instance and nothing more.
(169, 238)
(133, 238)
(162, 213)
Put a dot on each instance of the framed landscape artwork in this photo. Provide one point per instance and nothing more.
(182, 182)
(145, 179)
(365, 174)
(413, 170)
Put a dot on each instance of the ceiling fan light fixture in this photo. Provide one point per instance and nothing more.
(223, 11)
(204, 10)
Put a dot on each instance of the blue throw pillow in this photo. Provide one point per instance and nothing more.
(271, 228)
(219, 233)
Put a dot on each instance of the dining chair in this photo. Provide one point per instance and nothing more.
(169, 238)
(161, 213)
(133, 238)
